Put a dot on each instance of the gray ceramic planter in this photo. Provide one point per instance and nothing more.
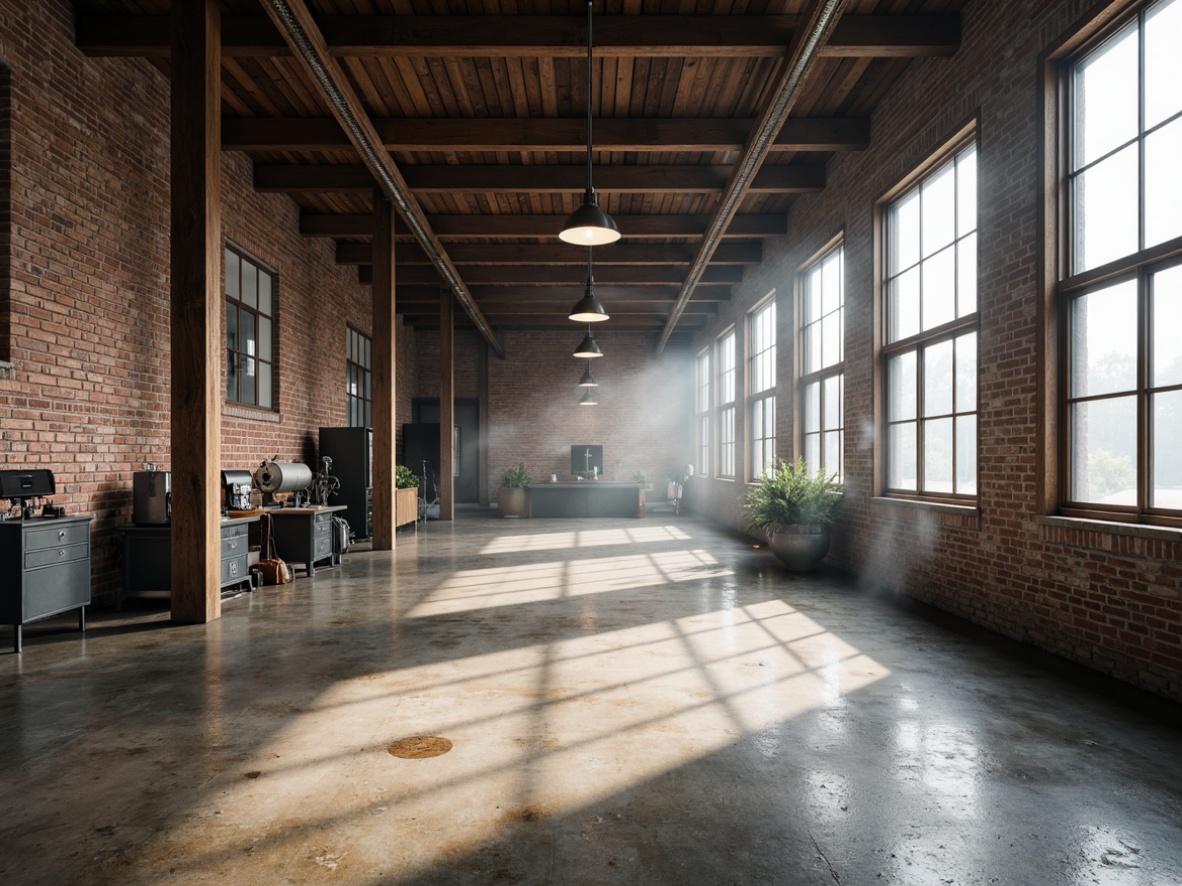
(800, 548)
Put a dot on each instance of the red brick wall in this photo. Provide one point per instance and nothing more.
(1102, 595)
(88, 293)
(534, 416)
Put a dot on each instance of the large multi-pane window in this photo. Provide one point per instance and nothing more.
(930, 330)
(358, 378)
(250, 331)
(726, 405)
(1120, 290)
(761, 387)
(702, 409)
(822, 380)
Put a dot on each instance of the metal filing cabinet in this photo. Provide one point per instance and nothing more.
(303, 535)
(46, 564)
(147, 557)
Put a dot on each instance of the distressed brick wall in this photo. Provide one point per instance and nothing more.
(1102, 595)
(535, 416)
(88, 283)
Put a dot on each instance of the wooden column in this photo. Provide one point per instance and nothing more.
(447, 406)
(196, 310)
(384, 373)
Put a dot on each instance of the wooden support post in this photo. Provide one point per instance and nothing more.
(384, 373)
(447, 406)
(196, 310)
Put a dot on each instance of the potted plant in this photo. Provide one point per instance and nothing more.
(795, 509)
(406, 495)
(643, 479)
(511, 495)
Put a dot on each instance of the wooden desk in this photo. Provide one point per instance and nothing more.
(587, 498)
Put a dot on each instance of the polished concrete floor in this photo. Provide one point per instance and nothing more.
(627, 702)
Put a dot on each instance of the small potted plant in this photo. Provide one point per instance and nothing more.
(643, 479)
(511, 495)
(406, 496)
(795, 509)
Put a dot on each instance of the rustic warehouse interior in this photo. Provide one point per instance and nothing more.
(931, 246)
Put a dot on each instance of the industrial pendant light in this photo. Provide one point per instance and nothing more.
(588, 399)
(588, 309)
(588, 348)
(588, 380)
(589, 225)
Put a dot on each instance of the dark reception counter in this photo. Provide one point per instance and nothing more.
(587, 498)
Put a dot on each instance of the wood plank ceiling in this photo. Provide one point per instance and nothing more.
(482, 106)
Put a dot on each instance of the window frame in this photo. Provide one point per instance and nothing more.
(726, 458)
(950, 152)
(1065, 284)
(241, 305)
(703, 411)
(826, 371)
(358, 372)
(761, 433)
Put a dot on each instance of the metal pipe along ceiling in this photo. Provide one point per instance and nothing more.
(823, 20)
(295, 23)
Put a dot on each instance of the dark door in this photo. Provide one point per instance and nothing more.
(466, 471)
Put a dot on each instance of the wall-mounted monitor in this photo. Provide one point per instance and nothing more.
(585, 458)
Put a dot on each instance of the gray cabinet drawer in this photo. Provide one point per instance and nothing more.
(59, 536)
(50, 556)
(56, 588)
(234, 569)
(234, 541)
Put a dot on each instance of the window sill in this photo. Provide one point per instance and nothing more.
(1131, 539)
(959, 516)
(251, 413)
(7, 371)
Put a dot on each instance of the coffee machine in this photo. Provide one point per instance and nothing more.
(151, 498)
(237, 490)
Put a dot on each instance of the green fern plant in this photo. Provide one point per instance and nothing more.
(791, 496)
(516, 478)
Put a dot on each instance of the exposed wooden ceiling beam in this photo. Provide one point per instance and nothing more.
(450, 227)
(521, 36)
(492, 295)
(492, 179)
(558, 320)
(816, 27)
(574, 276)
(540, 135)
(549, 307)
(560, 254)
(293, 19)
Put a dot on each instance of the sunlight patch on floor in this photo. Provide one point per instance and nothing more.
(564, 541)
(475, 589)
(538, 731)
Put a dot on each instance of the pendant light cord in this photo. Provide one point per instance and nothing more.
(589, 188)
(590, 277)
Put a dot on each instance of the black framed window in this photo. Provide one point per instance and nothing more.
(929, 348)
(250, 331)
(702, 405)
(358, 378)
(1119, 292)
(761, 385)
(725, 351)
(822, 350)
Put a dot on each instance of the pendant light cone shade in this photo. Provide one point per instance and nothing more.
(589, 225)
(588, 348)
(588, 399)
(588, 380)
(588, 309)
